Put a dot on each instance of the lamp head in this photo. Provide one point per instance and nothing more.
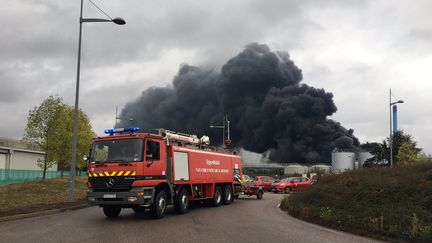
(119, 21)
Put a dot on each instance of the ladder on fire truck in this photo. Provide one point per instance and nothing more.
(184, 139)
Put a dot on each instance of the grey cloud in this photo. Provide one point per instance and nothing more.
(38, 48)
(9, 90)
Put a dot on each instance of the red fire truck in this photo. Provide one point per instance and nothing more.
(128, 169)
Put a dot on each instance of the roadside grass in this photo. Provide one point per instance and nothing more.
(39, 195)
(388, 203)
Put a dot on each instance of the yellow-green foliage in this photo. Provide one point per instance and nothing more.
(406, 154)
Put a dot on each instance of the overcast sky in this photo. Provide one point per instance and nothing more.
(357, 50)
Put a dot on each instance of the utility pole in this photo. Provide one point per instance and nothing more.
(391, 134)
(395, 125)
(225, 129)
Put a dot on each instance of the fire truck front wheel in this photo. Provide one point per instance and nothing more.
(111, 211)
(181, 203)
(159, 206)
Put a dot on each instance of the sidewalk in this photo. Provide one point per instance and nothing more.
(39, 211)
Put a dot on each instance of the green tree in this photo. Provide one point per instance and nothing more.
(423, 157)
(63, 143)
(407, 154)
(41, 122)
(400, 138)
(381, 152)
(50, 127)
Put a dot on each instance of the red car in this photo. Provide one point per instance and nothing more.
(265, 182)
(290, 184)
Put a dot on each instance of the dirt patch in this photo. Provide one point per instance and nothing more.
(37, 196)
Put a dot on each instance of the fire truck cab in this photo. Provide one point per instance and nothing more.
(127, 169)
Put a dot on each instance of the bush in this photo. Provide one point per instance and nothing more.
(384, 202)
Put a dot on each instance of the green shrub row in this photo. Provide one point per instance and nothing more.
(392, 203)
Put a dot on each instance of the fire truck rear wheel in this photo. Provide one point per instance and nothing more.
(111, 211)
(217, 199)
(227, 195)
(159, 206)
(181, 204)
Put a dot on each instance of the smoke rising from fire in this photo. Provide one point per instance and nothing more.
(269, 110)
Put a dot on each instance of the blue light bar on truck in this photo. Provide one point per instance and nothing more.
(121, 130)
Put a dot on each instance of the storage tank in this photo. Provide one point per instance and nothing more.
(363, 156)
(323, 167)
(342, 161)
(295, 169)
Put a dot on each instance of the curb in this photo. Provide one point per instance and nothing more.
(48, 212)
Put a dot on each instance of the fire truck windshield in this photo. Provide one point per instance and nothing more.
(117, 150)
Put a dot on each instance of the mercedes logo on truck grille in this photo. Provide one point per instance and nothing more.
(109, 182)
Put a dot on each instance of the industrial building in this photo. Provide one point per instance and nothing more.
(16, 155)
(341, 161)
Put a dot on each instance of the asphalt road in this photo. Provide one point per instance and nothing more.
(245, 220)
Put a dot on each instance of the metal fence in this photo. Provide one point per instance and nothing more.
(10, 176)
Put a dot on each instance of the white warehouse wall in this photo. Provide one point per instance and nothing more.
(2, 161)
(27, 160)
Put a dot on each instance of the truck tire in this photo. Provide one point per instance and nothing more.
(217, 197)
(181, 203)
(111, 211)
(227, 196)
(159, 207)
(260, 194)
(287, 190)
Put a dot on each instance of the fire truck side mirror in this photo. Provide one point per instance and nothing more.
(86, 159)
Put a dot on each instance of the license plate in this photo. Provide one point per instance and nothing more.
(109, 196)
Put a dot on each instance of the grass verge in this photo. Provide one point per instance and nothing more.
(42, 195)
(387, 203)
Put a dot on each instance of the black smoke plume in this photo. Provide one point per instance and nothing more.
(269, 110)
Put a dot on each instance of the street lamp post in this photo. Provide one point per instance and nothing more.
(223, 127)
(121, 118)
(119, 21)
(391, 131)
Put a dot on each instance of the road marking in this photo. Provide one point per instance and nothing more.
(278, 205)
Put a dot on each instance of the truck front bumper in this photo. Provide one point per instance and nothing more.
(137, 196)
